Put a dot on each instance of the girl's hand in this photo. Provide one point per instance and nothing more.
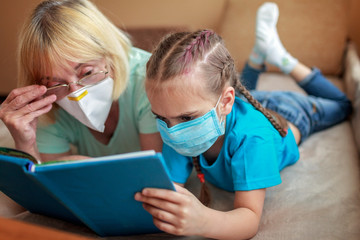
(20, 111)
(178, 213)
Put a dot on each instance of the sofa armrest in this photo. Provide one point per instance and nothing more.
(352, 87)
(352, 71)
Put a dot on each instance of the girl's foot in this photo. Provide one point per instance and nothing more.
(268, 46)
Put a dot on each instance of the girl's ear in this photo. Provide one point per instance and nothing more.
(227, 101)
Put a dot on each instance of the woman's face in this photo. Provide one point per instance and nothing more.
(63, 81)
(180, 99)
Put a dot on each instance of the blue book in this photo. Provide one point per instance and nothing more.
(98, 192)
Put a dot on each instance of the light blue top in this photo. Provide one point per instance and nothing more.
(252, 156)
(135, 117)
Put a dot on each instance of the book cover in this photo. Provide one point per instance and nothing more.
(97, 192)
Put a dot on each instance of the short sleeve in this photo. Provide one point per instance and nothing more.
(255, 164)
(179, 167)
(51, 140)
(57, 137)
(145, 118)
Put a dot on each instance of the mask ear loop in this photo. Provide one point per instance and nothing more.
(221, 119)
(217, 103)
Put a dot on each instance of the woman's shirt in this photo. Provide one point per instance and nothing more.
(135, 117)
(252, 155)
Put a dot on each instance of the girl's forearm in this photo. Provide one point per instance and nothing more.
(240, 223)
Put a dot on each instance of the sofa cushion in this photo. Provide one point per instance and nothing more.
(164, 13)
(314, 34)
(148, 38)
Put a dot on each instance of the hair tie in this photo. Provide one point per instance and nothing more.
(201, 177)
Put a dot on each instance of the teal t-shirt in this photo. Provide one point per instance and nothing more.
(135, 117)
(252, 156)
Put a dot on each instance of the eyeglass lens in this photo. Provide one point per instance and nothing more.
(63, 89)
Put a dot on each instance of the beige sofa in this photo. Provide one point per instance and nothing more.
(320, 195)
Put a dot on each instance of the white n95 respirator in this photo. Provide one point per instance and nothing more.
(90, 104)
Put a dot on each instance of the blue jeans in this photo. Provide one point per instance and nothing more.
(324, 106)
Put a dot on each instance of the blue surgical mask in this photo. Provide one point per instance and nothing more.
(194, 137)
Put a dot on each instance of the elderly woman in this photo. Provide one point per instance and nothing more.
(70, 54)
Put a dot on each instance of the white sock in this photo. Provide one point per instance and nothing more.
(268, 46)
(257, 57)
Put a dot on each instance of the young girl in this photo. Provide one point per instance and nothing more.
(235, 143)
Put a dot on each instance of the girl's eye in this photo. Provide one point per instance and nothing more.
(162, 119)
(186, 118)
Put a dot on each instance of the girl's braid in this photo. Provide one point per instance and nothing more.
(155, 66)
(276, 120)
(198, 46)
(193, 52)
(229, 73)
(204, 192)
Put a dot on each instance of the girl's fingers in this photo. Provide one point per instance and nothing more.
(166, 226)
(167, 195)
(159, 203)
(166, 221)
(160, 214)
(182, 190)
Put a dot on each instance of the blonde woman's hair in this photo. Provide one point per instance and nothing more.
(63, 31)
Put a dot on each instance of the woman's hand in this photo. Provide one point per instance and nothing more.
(20, 111)
(178, 213)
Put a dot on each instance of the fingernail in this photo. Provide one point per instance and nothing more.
(53, 97)
(137, 196)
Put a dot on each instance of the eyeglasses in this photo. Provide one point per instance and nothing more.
(61, 90)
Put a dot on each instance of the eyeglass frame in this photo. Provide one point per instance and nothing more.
(79, 81)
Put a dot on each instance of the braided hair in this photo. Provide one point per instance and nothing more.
(179, 53)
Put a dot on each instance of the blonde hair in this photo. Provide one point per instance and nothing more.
(63, 31)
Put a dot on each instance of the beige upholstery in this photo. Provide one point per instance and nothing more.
(313, 31)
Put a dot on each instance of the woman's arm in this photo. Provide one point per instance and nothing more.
(151, 141)
(61, 157)
(147, 142)
(181, 213)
